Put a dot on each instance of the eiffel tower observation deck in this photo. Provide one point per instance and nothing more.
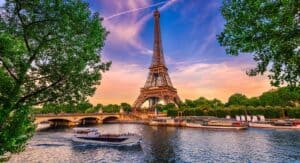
(158, 87)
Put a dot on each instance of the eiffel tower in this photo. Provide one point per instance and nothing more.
(158, 85)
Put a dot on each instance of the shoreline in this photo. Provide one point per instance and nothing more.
(182, 124)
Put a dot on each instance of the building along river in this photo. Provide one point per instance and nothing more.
(167, 144)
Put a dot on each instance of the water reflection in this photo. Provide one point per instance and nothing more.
(159, 143)
(167, 144)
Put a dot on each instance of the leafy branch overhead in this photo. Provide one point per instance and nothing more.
(49, 53)
(270, 30)
(50, 49)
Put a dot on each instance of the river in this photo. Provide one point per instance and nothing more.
(167, 144)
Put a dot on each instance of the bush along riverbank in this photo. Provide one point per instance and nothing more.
(268, 112)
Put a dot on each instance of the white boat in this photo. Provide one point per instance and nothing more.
(217, 125)
(166, 121)
(92, 136)
(276, 124)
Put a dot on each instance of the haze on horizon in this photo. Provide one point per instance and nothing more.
(198, 65)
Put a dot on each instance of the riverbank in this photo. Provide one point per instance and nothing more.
(205, 122)
(268, 111)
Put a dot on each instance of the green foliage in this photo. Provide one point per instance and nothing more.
(236, 111)
(159, 107)
(16, 129)
(49, 53)
(253, 101)
(237, 99)
(126, 107)
(98, 107)
(284, 96)
(169, 106)
(172, 112)
(270, 31)
(111, 108)
(272, 104)
(293, 112)
(202, 103)
(81, 107)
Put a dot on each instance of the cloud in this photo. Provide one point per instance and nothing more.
(133, 10)
(125, 33)
(193, 76)
(218, 80)
(192, 80)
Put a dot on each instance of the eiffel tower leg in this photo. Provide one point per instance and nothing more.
(138, 103)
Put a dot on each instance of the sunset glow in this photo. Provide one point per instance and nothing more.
(198, 65)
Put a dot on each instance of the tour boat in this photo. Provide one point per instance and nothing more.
(167, 121)
(279, 124)
(92, 136)
(217, 124)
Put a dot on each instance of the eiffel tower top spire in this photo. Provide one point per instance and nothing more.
(158, 55)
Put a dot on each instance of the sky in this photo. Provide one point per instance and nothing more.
(198, 65)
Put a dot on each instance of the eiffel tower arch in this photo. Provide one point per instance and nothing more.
(158, 86)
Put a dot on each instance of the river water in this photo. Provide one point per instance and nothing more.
(168, 144)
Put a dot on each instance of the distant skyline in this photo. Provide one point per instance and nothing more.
(198, 65)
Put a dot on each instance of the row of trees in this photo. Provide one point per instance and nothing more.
(282, 97)
(275, 103)
(285, 96)
(82, 107)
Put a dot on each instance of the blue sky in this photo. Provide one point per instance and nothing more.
(188, 29)
(198, 65)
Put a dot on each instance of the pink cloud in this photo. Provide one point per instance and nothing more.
(217, 80)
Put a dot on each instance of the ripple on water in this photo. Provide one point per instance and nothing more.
(168, 144)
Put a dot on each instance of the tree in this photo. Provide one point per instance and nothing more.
(201, 101)
(237, 99)
(253, 101)
(83, 106)
(126, 107)
(98, 107)
(48, 53)
(169, 106)
(190, 103)
(111, 108)
(216, 103)
(159, 107)
(270, 30)
(285, 96)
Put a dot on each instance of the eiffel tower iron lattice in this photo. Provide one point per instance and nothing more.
(158, 85)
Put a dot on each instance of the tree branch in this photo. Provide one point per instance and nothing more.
(24, 98)
(8, 70)
(43, 101)
(39, 78)
(23, 26)
(40, 21)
